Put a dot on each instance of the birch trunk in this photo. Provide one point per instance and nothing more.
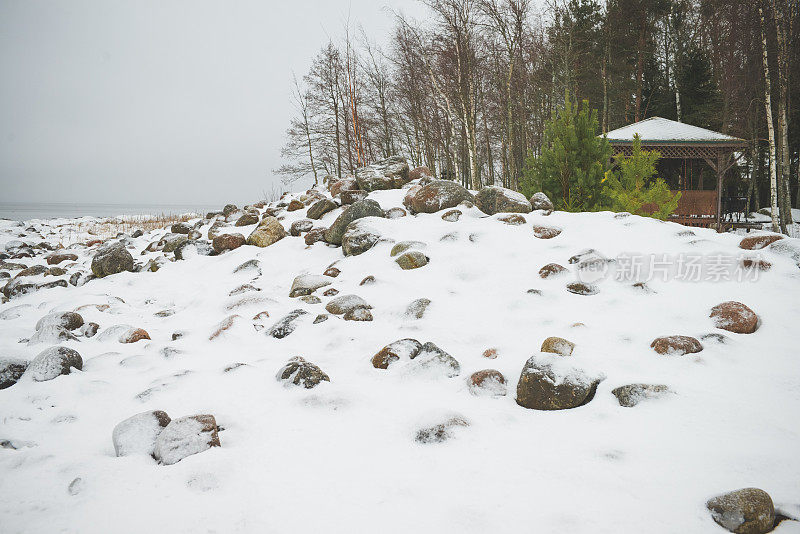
(773, 180)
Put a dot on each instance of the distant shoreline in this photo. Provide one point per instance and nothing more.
(23, 211)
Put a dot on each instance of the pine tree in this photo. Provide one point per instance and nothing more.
(636, 189)
(572, 162)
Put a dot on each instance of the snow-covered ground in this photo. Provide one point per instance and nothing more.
(342, 457)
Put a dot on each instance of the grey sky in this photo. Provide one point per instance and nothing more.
(156, 101)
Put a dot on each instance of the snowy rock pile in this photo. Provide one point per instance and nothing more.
(658, 395)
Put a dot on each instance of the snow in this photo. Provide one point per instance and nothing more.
(342, 456)
(658, 129)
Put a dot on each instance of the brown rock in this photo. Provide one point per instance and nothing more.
(420, 172)
(135, 335)
(451, 215)
(490, 353)
(558, 345)
(513, 219)
(545, 232)
(395, 213)
(331, 292)
(756, 264)
(677, 345)
(756, 242)
(227, 242)
(581, 288)
(58, 257)
(333, 272)
(345, 184)
(487, 381)
(551, 269)
(744, 511)
(352, 196)
(400, 349)
(295, 205)
(224, 326)
(734, 317)
(314, 235)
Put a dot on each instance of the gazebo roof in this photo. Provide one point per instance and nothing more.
(660, 131)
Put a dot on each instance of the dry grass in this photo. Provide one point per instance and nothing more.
(109, 228)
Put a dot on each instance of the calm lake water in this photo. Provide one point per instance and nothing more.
(49, 210)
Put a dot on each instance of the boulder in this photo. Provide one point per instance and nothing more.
(268, 232)
(225, 242)
(756, 242)
(495, 199)
(389, 173)
(170, 242)
(217, 229)
(137, 434)
(33, 270)
(676, 345)
(368, 280)
(314, 235)
(351, 197)
(439, 195)
(286, 325)
(299, 372)
(295, 205)
(51, 334)
(320, 208)
(582, 288)
(53, 362)
(17, 288)
(111, 259)
(305, 284)
(123, 333)
(247, 219)
(228, 209)
(632, 394)
(488, 382)
(66, 320)
(408, 199)
(539, 201)
(300, 227)
(412, 260)
(558, 345)
(348, 183)
(359, 210)
(11, 370)
(359, 236)
(434, 362)
(548, 382)
(346, 303)
(185, 436)
(58, 257)
(734, 317)
(552, 269)
(441, 432)
(402, 246)
(358, 314)
(743, 511)
(180, 228)
(418, 173)
(398, 350)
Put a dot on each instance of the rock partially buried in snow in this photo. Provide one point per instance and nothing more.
(488, 382)
(403, 246)
(389, 173)
(346, 303)
(676, 345)
(756, 242)
(433, 362)
(58, 257)
(412, 260)
(320, 208)
(512, 219)
(540, 201)
(11, 370)
(358, 314)
(451, 215)
(111, 259)
(441, 432)
(416, 310)
(53, 362)
(744, 511)
(582, 288)
(286, 325)
(549, 384)
(137, 434)
(184, 437)
(398, 350)
(300, 227)
(360, 236)
(495, 199)
(734, 317)
(358, 210)
(123, 333)
(305, 284)
(66, 320)
(395, 213)
(268, 232)
(558, 345)
(632, 394)
(552, 269)
(300, 372)
(225, 242)
(546, 232)
(439, 195)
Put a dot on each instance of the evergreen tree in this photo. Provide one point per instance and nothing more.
(636, 189)
(572, 162)
(700, 97)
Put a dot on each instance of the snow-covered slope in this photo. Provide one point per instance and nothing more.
(344, 456)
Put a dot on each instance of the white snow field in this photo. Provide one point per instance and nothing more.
(343, 456)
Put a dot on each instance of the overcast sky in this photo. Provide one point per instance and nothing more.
(158, 101)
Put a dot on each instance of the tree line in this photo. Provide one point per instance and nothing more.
(468, 92)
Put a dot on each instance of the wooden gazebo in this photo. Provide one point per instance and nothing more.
(676, 140)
